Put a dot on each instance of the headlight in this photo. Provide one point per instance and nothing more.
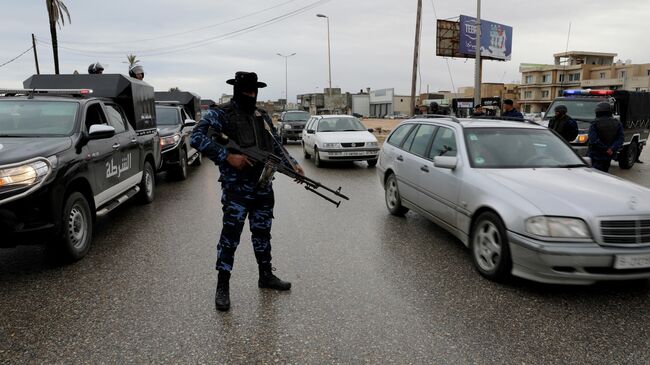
(372, 144)
(582, 138)
(286, 126)
(169, 140)
(25, 175)
(331, 145)
(557, 227)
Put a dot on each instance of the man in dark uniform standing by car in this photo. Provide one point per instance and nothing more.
(510, 111)
(242, 195)
(563, 124)
(605, 137)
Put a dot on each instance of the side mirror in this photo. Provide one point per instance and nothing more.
(310, 131)
(371, 130)
(100, 131)
(587, 160)
(189, 123)
(445, 162)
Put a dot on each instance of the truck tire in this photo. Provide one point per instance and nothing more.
(77, 228)
(181, 170)
(628, 155)
(147, 184)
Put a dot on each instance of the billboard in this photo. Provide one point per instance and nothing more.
(496, 39)
(448, 36)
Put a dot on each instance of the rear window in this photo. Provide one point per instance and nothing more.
(167, 116)
(296, 116)
(397, 137)
(37, 118)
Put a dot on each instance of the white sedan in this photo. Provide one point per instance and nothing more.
(339, 138)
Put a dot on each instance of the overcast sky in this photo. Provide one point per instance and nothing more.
(371, 40)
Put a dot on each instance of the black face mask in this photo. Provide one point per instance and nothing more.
(245, 102)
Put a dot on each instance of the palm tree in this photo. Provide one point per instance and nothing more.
(132, 59)
(56, 11)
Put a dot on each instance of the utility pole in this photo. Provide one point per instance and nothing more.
(478, 62)
(416, 56)
(38, 71)
(286, 78)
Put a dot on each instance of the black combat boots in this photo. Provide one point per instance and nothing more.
(222, 297)
(270, 281)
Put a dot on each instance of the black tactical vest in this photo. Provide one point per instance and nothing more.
(247, 129)
(606, 128)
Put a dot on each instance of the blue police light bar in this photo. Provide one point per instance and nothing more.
(588, 92)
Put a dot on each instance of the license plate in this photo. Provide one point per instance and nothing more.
(357, 153)
(632, 261)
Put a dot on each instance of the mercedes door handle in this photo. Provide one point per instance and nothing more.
(400, 158)
(134, 140)
(116, 146)
(424, 168)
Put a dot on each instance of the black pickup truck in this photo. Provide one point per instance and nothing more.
(177, 113)
(632, 108)
(69, 154)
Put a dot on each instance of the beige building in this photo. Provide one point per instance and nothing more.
(540, 84)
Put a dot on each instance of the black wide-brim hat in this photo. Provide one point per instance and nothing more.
(246, 80)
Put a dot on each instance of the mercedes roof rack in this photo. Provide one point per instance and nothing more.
(507, 119)
(437, 116)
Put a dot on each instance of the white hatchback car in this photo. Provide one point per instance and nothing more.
(339, 138)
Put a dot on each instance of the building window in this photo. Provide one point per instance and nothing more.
(545, 94)
(529, 79)
(526, 108)
(648, 72)
(574, 77)
(623, 73)
(560, 92)
(561, 78)
(528, 94)
(546, 79)
(602, 75)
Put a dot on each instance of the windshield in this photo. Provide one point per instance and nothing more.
(580, 110)
(167, 116)
(343, 124)
(296, 116)
(518, 148)
(37, 118)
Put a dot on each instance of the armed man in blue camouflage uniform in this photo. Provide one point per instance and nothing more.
(247, 126)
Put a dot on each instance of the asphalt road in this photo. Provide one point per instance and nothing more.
(367, 288)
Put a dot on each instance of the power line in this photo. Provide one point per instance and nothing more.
(15, 58)
(200, 43)
(451, 77)
(183, 32)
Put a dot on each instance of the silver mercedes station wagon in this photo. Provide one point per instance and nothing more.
(520, 198)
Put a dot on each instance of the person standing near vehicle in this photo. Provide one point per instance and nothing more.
(563, 124)
(478, 111)
(605, 138)
(247, 126)
(434, 109)
(136, 71)
(510, 111)
(96, 68)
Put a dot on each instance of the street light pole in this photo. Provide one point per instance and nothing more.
(329, 56)
(286, 78)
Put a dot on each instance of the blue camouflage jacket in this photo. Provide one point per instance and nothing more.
(217, 119)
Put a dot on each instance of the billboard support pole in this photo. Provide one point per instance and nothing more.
(416, 56)
(478, 62)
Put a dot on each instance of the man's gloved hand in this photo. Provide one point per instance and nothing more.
(610, 152)
(299, 170)
(239, 162)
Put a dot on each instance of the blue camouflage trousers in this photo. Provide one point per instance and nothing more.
(239, 201)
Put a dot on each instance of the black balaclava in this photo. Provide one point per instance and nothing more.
(245, 102)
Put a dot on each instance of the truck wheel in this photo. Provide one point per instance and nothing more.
(628, 156)
(77, 227)
(147, 184)
(181, 170)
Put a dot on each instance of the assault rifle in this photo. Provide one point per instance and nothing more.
(273, 163)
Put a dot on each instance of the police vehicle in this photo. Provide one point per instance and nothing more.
(632, 108)
(70, 155)
(177, 113)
